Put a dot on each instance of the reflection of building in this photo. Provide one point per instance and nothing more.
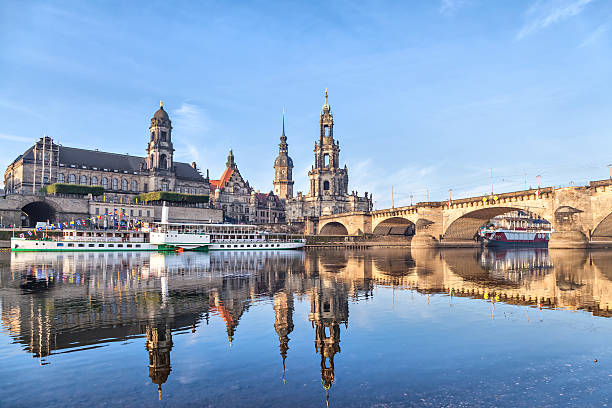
(328, 181)
(283, 321)
(159, 345)
(328, 309)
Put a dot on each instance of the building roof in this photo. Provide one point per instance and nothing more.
(222, 182)
(262, 198)
(112, 161)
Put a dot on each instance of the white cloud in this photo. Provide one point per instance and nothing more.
(544, 13)
(449, 7)
(405, 181)
(190, 127)
(597, 34)
(14, 138)
(190, 119)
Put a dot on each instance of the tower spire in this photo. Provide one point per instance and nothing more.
(283, 137)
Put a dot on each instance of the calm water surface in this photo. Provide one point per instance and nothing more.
(382, 328)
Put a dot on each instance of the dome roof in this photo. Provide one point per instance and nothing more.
(161, 113)
(283, 161)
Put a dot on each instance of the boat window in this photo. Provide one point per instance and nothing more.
(101, 245)
(222, 246)
(241, 246)
(92, 245)
(129, 245)
(81, 245)
(137, 245)
(111, 245)
(248, 246)
(60, 244)
(119, 245)
(70, 245)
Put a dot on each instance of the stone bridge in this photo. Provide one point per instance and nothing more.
(28, 209)
(581, 216)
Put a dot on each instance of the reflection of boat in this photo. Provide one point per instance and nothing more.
(507, 237)
(219, 237)
(85, 240)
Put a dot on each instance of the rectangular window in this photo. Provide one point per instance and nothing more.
(60, 244)
(70, 245)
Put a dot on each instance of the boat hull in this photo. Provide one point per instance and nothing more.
(35, 245)
(256, 246)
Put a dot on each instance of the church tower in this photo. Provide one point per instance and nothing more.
(160, 151)
(283, 169)
(326, 176)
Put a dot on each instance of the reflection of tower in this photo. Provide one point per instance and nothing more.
(230, 312)
(283, 322)
(159, 344)
(328, 309)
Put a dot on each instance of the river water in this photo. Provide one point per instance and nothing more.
(375, 328)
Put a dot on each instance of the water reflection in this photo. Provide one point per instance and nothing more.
(58, 303)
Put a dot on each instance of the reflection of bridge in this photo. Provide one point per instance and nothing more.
(114, 296)
(580, 216)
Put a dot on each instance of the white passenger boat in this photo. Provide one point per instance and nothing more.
(84, 240)
(202, 237)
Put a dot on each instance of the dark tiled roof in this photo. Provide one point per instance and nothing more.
(114, 161)
(101, 160)
(184, 171)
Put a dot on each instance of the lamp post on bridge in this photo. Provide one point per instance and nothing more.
(411, 200)
(538, 177)
(610, 167)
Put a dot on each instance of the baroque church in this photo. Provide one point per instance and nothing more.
(328, 181)
(122, 175)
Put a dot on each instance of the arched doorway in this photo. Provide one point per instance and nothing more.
(38, 211)
(333, 228)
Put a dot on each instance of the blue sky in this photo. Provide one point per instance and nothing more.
(426, 95)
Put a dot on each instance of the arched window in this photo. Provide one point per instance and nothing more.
(178, 189)
(326, 185)
(163, 162)
(94, 181)
(115, 185)
(164, 186)
(72, 179)
(60, 178)
(125, 185)
(83, 180)
(326, 160)
(134, 185)
(104, 182)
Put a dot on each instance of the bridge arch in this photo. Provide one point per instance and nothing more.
(603, 229)
(37, 211)
(466, 226)
(394, 226)
(333, 228)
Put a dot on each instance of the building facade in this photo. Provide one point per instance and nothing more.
(121, 175)
(232, 193)
(328, 181)
(241, 203)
